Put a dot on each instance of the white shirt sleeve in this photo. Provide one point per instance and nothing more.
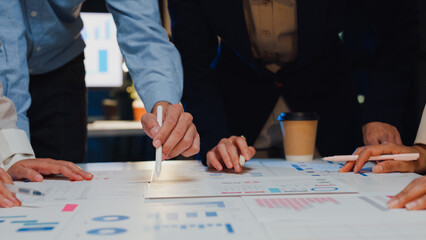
(14, 143)
(421, 133)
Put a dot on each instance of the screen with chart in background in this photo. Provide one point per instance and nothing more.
(103, 60)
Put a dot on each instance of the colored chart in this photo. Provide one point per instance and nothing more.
(103, 60)
(301, 207)
(247, 187)
(296, 204)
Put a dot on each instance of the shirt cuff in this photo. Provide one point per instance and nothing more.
(16, 158)
(14, 146)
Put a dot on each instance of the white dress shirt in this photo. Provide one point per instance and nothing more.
(14, 143)
(272, 29)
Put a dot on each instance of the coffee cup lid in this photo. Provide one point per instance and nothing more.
(298, 116)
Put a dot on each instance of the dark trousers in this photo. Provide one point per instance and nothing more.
(324, 87)
(58, 114)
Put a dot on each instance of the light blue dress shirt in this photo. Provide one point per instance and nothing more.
(38, 36)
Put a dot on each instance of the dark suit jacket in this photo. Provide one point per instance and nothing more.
(197, 24)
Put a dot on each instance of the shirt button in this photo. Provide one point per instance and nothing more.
(33, 14)
(266, 33)
(38, 49)
(31, 71)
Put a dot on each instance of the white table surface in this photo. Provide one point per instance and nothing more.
(112, 206)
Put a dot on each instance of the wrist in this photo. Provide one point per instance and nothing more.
(164, 104)
(421, 149)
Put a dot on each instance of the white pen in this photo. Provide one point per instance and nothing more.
(159, 151)
(396, 157)
(23, 190)
(242, 159)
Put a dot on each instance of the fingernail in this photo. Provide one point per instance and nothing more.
(38, 178)
(411, 205)
(157, 143)
(164, 156)
(378, 168)
(154, 130)
(229, 165)
(392, 203)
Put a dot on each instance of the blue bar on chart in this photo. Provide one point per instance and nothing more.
(211, 214)
(36, 229)
(274, 190)
(297, 167)
(13, 216)
(219, 204)
(40, 223)
(24, 221)
(191, 215)
(103, 60)
(229, 228)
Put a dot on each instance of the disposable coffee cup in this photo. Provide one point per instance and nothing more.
(299, 130)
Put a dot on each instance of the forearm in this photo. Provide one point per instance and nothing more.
(153, 61)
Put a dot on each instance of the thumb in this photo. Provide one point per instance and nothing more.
(252, 151)
(4, 177)
(393, 166)
(150, 124)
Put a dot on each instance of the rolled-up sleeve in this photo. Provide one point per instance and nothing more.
(153, 61)
(14, 143)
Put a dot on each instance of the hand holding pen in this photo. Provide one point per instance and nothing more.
(230, 152)
(177, 135)
(386, 166)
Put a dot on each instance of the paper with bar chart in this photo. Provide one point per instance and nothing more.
(192, 202)
(190, 170)
(270, 208)
(35, 223)
(212, 218)
(65, 191)
(246, 187)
